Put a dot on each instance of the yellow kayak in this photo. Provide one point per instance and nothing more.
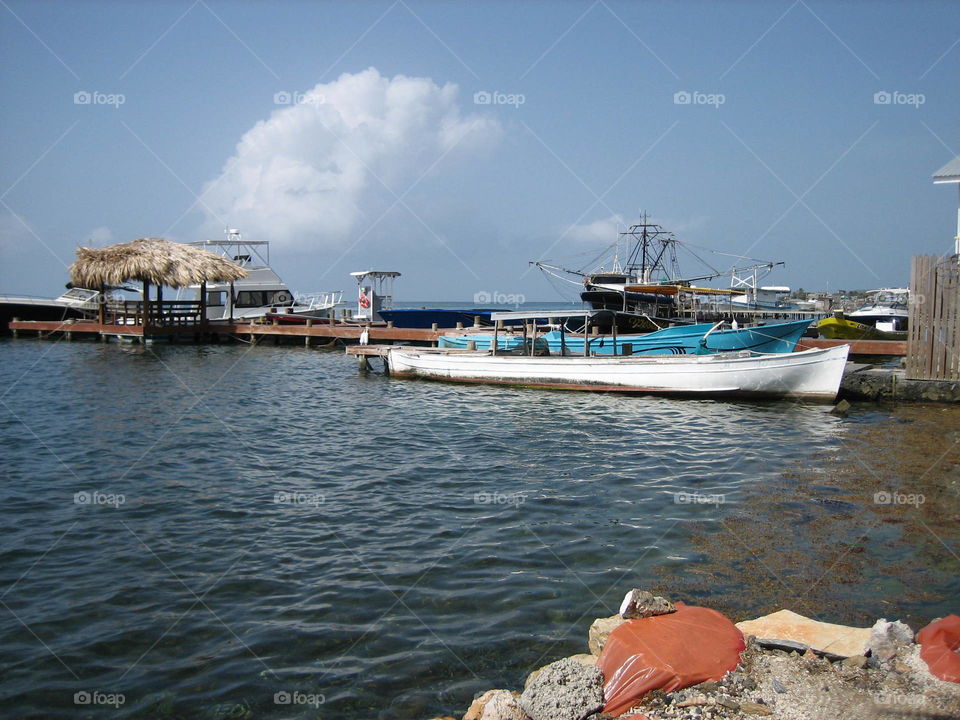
(834, 328)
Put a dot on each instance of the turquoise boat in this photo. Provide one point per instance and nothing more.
(699, 339)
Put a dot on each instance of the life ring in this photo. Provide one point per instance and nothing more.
(281, 298)
(364, 300)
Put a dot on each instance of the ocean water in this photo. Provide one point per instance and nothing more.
(231, 531)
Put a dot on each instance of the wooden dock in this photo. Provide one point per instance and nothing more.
(346, 333)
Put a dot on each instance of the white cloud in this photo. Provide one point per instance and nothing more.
(99, 236)
(599, 232)
(313, 173)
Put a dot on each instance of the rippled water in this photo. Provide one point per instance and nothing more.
(204, 529)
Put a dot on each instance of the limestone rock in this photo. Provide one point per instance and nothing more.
(786, 629)
(496, 705)
(585, 659)
(640, 604)
(564, 690)
(600, 630)
(886, 638)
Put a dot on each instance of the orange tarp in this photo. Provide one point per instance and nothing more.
(672, 651)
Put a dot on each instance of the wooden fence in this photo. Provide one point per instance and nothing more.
(933, 346)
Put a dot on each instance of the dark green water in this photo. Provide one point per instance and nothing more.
(237, 532)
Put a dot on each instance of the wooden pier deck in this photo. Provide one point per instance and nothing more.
(347, 332)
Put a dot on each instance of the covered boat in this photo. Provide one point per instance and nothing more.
(811, 374)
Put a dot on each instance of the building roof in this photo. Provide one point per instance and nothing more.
(152, 260)
(949, 173)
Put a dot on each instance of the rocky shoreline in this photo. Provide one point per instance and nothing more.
(808, 671)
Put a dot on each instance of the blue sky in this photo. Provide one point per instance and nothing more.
(192, 124)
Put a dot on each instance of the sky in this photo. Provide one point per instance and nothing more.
(457, 142)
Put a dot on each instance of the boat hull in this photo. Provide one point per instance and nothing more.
(681, 340)
(842, 329)
(811, 374)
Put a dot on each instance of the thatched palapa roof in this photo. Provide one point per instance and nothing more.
(152, 260)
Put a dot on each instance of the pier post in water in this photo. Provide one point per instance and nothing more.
(16, 332)
(307, 338)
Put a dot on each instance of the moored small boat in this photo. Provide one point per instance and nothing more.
(699, 339)
(811, 374)
(834, 328)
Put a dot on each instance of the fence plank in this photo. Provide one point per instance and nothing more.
(933, 345)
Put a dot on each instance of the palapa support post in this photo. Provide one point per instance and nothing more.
(146, 306)
(101, 305)
(203, 307)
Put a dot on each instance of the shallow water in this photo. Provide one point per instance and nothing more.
(212, 531)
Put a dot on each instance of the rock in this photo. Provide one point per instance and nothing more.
(728, 703)
(778, 686)
(857, 661)
(841, 408)
(886, 638)
(585, 659)
(564, 690)
(640, 604)
(600, 630)
(496, 705)
(752, 708)
(786, 629)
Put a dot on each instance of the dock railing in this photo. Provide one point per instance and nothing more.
(162, 313)
(933, 344)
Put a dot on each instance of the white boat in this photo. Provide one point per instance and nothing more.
(261, 292)
(888, 310)
(810, 374)
(75, 303)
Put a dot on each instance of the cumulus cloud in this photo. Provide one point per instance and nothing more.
(314, 172)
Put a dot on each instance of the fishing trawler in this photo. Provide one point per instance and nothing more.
(650, 285)
(261, 294)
